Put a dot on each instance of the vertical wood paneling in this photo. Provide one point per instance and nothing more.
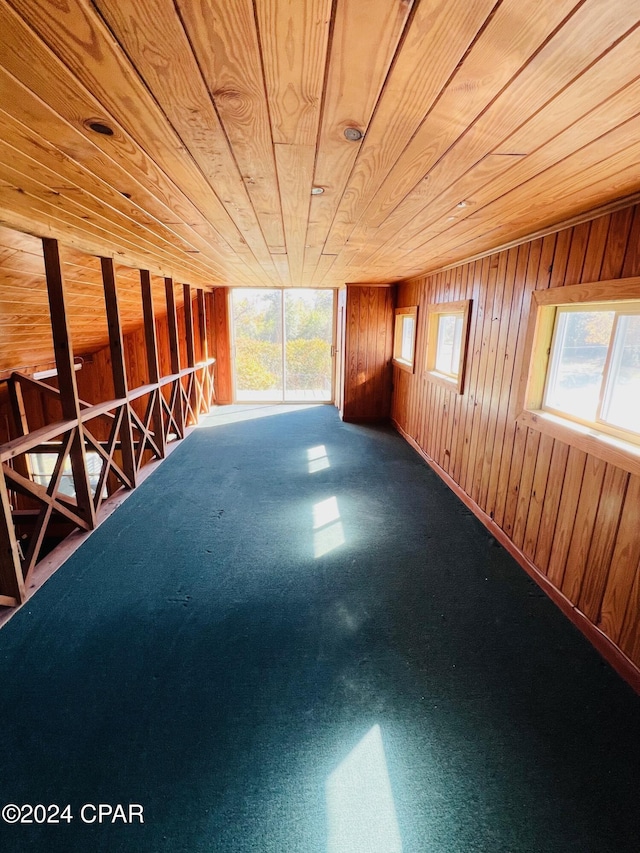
(572, 516)
(367, 353)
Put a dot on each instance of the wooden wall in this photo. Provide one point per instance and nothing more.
(95, 382)
(572, 520)
(367, 349)
(219, 335)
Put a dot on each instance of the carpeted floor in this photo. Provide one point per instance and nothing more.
(294, 639)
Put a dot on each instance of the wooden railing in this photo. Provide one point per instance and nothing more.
(123, 434)
(183, 397)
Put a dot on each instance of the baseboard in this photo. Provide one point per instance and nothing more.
(625, 667)
(374, 419)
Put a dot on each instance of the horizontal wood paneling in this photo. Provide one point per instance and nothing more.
(571, 516)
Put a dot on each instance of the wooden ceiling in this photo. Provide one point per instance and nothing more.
(482, 121)
(25, 330)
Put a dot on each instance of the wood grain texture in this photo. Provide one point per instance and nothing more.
(565, 512)
(367, 353)
(482, 123)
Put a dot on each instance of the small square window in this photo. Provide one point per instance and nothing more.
(448, 332)
(404, 339)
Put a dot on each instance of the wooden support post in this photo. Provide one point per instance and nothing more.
(67, 378)
(118, 367)
(192, 387)
(222, 351)
(188, 323)
(16, 401)
(172, 321)
(204, 349)
(202, 324)
(11, 580)
(174, 352)
(151, 347)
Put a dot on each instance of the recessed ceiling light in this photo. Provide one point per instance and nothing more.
(317, 190)
(99, 127)
(353, 134)
(464, 203)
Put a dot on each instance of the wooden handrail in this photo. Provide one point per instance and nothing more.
(13, 448)
(101, 409)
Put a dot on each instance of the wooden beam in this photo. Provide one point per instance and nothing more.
(118, 367)
(222, 348)
(11, 581)
(192, 390)
(24, 443)
(21, 423)
(151, 346)
(172, 322)
(207, 390)
(202, 325)
(175, 399)
(67, 377)
(188, 322)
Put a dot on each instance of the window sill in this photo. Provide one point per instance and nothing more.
(623, 454)
(448, 382)
(403, 365)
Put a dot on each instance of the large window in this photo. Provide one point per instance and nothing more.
(594, 370)
(448, 332)
(283, 344)
(404, 338)
(583, 368)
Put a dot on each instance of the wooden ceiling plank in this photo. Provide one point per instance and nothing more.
(71, 172)
(597, 87)
(600, 82)
(438, 37)
(103, 227)
(540, 74)
(36, 66)
(293, 40)
(84, 151)
(600, 157)
(365, 40)
(33, 173)
(597, 125)
(26, 212)
(295, 173)
(225, 41)
(598, 100)
(562, 186)
(80, 39)
(152, 35)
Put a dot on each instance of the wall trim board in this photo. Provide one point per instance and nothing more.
(381, 421)
(609, 651)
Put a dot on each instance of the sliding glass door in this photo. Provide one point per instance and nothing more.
(283, 345)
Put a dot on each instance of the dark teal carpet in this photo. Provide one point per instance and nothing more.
(217, 653)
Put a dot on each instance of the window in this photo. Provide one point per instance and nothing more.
(448, 333)
(582, 380)
(43, 464)
(404, 339)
